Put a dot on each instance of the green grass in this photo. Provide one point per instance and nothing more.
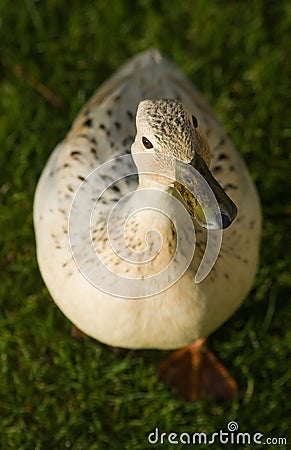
(58, 393)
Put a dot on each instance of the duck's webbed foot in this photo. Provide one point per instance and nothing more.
(194, 372)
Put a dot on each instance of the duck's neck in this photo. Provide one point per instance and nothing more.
(157, 182)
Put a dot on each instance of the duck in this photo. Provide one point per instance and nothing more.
(147, 223)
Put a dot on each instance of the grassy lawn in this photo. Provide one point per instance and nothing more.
(58, 393)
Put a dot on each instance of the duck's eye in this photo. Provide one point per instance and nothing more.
(147, 144)
(195, 121)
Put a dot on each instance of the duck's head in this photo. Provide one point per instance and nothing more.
(166, 130)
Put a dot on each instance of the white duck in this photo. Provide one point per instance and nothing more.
(144, 311)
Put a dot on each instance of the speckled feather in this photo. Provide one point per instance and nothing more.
(105, 128)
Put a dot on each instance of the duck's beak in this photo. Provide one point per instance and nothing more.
(202, 206)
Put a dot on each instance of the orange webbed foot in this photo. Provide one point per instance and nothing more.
(194, 372)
